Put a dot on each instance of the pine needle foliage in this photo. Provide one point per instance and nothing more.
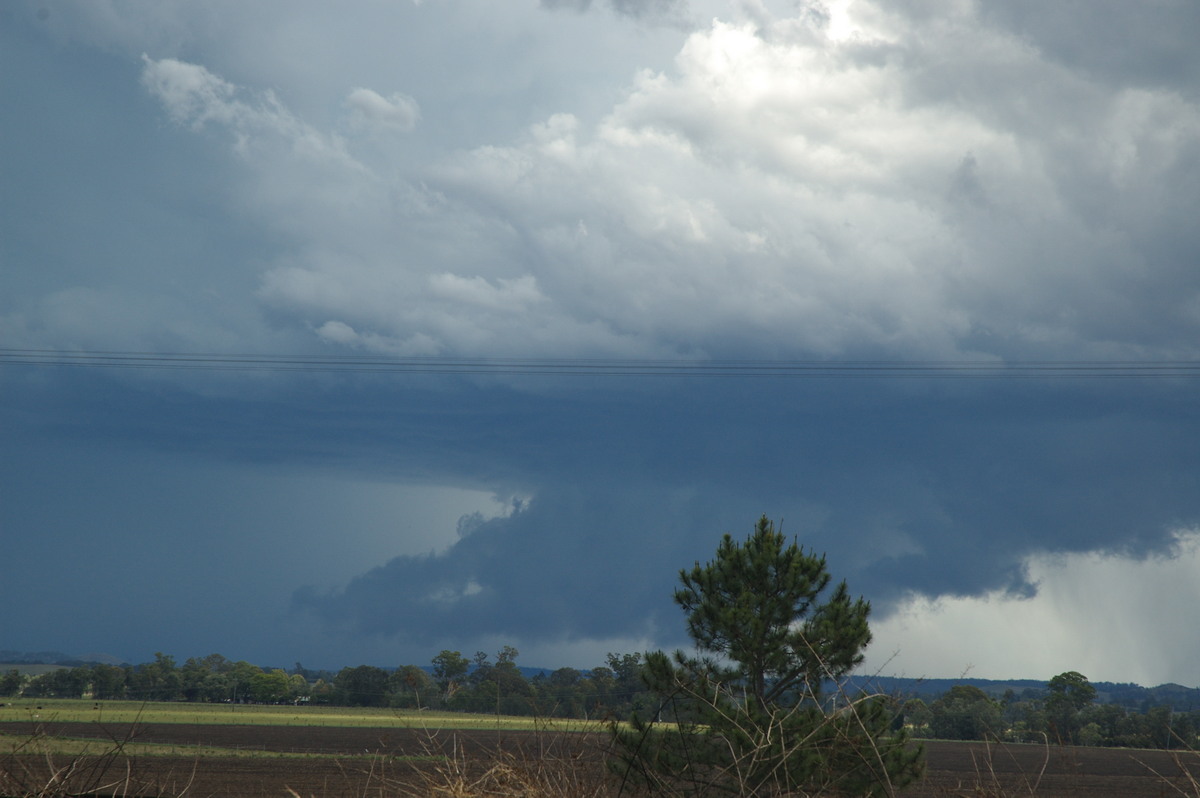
(747, 715)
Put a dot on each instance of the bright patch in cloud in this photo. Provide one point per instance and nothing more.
(1108, 616)
(510, 295)
(369, 109)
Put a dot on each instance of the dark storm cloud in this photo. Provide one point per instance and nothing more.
(938, 491)
(583, 561)
(935, 488)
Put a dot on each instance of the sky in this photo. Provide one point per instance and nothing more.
(625, 228)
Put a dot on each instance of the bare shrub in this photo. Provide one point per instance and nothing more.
(562, 765)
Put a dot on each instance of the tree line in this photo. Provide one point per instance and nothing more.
(451, 682)
(1066, 711)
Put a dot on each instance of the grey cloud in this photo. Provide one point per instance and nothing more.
(370, 109)
(638, 9)
(944, 492)
(935, 488)
(575, 563)
(945, 189)
(1139, 44)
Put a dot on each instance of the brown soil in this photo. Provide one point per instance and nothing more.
(388, 762)
(992, 771)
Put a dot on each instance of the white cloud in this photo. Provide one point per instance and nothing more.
(193, 95)
(508, 295)
(1110, 616)
(836, 184)
(337, 332)
(816, 189)
(368, 109)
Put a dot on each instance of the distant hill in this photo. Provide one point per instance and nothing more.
(56, 658)
(928, 689)
(34, 657)
(1128, 695)
(102, 659)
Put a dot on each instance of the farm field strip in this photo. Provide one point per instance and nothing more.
(251, 761)
(23, 745)
(117, 712)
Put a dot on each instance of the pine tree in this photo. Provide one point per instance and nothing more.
(748, 715)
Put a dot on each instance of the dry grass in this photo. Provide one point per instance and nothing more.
(554, 766)
(33, 770)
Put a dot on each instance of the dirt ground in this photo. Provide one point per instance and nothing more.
(391, 762)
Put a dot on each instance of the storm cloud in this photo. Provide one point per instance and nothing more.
(867, 182)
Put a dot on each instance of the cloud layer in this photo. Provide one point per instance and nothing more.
(867, 180)
(907, 189)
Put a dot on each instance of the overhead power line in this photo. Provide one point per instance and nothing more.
(603, 367)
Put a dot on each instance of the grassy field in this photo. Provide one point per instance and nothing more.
(49, 713)
(63, 710)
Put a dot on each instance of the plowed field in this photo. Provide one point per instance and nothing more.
(325, 762)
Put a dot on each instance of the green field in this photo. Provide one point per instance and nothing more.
(55, 711)
(66, 710)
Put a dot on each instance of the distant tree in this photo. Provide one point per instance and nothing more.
(158, 680)
(191, 679)
(964, 712)
(407, 684)
(563, 692)
(1112, 724)
(216, 663)
(627, 691)
(496, 688)
(298, 687)
(270, 688)
(108, 682)
(214, 678)
(362, 686)
(11, 682)
(238, 679)
(600, 698)
(1069, 694)
(918, 716)
(748, 716)
(627, 668)
(449, 668)
(513, 689)
(321, 692)
(1183, 731)
(565, 678)
(59, 683)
